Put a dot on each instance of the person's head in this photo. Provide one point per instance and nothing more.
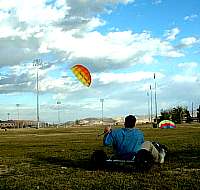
(130, 121)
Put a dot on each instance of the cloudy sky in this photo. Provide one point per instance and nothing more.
(122, 42)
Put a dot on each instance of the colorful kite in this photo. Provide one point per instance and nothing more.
(82, 74)
(167, 124)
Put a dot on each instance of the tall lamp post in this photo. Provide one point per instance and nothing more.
(151, 105)
(156, 107)
(148, 107)
(37, 63)
(17, 105)
(58, 103)
(102, 100)
(192, 109)
(8, 116)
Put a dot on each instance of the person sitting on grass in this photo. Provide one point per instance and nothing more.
(126, 142)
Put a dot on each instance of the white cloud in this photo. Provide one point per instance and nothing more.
(189, 41)
(7, 31)
(156, 2)
(190, 17)
(94, 23)
(115, 46)
(79, 40)
(107, 78)
(188, 65)
(36, 12)
(59, 85)
(85, 8)
(148, 59)
(185, 78)
(51, 83)
(188, 73)
(59, 96)
(171, 34)
(22, 77)
(30, 70)
(27, 18)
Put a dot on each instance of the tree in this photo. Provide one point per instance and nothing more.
(77, 122)
(176, 114)
(165, 114)
(198, 114)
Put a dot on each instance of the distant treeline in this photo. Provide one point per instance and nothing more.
(179, 114)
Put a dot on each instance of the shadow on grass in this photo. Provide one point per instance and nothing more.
(86, 164)
(181, 159)
(61, 161)
(185, 155)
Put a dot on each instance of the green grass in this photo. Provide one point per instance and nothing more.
(60, 159)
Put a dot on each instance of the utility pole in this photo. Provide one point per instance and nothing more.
(58, 103)
(156, 109)
(151, 105)
(102, 100)
(148, 107)
(8, 116)
(192, 110)
(17, 114)
(37, 63)
(198, 114)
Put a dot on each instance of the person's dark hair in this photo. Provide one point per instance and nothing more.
(130, 121)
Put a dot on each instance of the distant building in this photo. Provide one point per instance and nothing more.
(7, 124)
(142, 119)
(95, 121)
(20, 124)
(92, 121)
(119, 120)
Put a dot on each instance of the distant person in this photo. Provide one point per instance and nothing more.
(126, 142)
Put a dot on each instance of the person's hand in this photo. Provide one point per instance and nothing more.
(107, 129)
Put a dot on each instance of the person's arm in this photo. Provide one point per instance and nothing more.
(108, 138)
(142, 137)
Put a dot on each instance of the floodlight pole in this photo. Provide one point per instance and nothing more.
(8, 116)
(151, 105)
(18, 113)
(37, 63)
(102, 100)
(58, 103)
(192, 109)
(148, 107)
(156, 107)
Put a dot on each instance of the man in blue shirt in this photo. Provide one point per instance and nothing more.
(126, 142)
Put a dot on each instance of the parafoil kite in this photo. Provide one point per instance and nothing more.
(167, 124)
(82, 74)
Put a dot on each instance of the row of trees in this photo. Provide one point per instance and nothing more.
(176, 114)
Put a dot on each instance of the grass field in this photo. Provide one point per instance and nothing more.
(60, 159)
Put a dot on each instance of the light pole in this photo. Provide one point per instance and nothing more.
(148, 106)
(37, 63)
(58, 103)
(102, 100)
(156, 109)
(151, 105)
(18, 113)
(8, 116)
(192, 109)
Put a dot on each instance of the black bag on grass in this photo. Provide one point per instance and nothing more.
(99, 158)
(143, 160)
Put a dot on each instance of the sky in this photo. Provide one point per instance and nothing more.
(122, 43)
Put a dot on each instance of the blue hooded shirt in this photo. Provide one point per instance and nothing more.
(124, 140)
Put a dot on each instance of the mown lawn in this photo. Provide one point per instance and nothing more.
(60, 159)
